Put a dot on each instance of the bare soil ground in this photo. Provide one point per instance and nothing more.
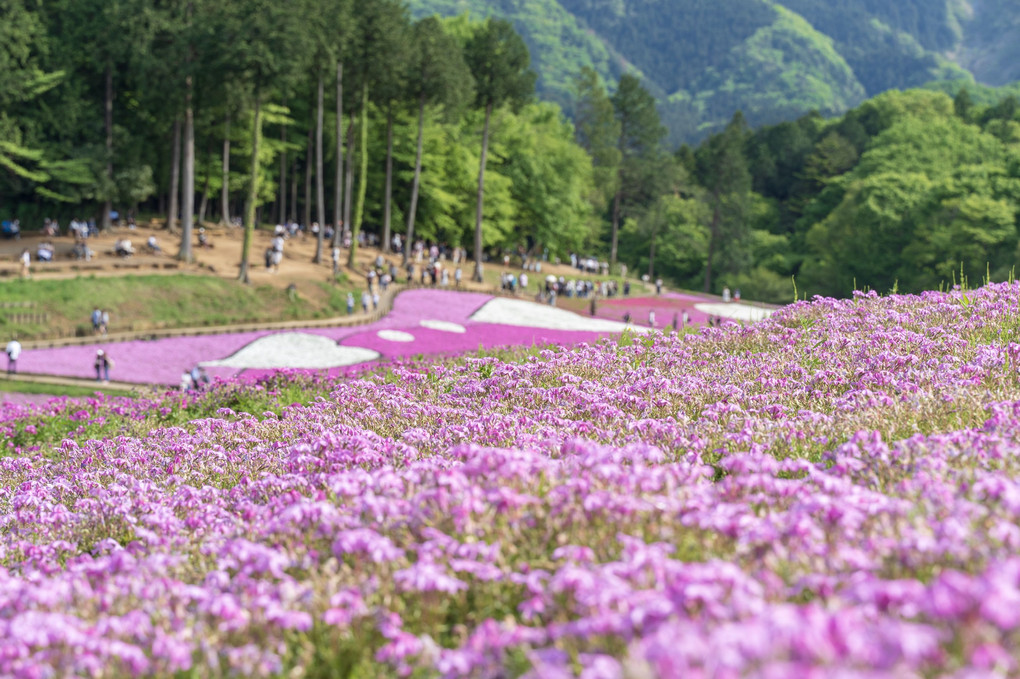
(221, 260)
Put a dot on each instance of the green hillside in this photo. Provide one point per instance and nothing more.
(774, 60)
(559, 45)
(782, 70)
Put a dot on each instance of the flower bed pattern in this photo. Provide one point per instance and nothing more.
(162, 361)
(832, 492)
(671, 304)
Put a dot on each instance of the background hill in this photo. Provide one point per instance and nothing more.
(704, 59)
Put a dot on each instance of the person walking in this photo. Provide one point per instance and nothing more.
(13, 351)
(277, 256)
(102, 365)
(350, 303)
(26, 263)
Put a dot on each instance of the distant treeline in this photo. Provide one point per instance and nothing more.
(909, 191)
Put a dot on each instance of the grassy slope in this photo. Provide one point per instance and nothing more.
(146, 302)
(25, 387)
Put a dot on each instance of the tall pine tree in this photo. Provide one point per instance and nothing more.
(641, 135)
(437, 74)
(500, 64)
(722, 169)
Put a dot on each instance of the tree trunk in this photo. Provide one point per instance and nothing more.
(388, 190)
(253, 191)
(283, 176)
(188, 195)
(338, 188)
(349, 174)
(320, 184)
(203, 207)
(616, 227)
(306, 213)
(417, 178)
(225, 191)
(359, 207)
(293, 191)
(175, 174)
(108, 124)
(481, 195)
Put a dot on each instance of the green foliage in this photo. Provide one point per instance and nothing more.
(771, 59)
(550, 179)
(436, 71)
(500, 64)
(782, 70)
(722, 169)
(559, 43)
(670, 239)
(644, 171)
(598, 130)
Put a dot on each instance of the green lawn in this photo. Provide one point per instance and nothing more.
(25, 387)
(61, 308)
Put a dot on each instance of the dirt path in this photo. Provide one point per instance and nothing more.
(221, 260)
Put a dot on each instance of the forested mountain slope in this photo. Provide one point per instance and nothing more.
(774, 60)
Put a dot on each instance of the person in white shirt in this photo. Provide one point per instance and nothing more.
(13, 351)
(44, 252)
(277, 255)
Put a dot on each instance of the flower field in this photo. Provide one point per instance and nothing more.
(670, 304)
(421, 322)
(834, 491)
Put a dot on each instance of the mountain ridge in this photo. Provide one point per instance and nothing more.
(772, 59)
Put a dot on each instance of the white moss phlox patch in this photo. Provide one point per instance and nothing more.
(295, 350)
(531, 315)
(443, 326)
(734, 310)
(395, 336)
